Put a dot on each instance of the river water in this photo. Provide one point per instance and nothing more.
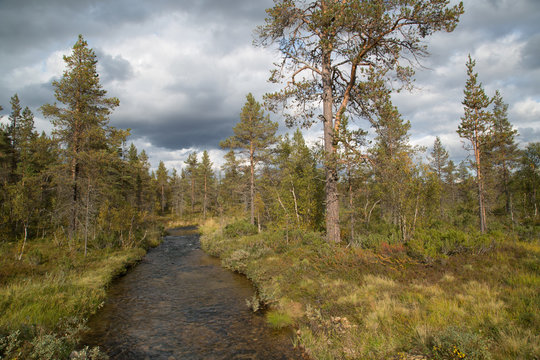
(179, 303)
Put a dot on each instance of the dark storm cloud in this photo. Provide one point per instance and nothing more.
(36, 95)
(182, 68)
(203, 123)
(31, 26)
(181, 132)
(33, 96)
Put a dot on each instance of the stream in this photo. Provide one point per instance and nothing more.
(179, 303)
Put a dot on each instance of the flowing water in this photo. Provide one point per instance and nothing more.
(179, 303)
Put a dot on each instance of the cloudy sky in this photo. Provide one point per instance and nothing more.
(182, 68)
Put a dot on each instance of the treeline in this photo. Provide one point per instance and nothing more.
(392, 193)
(83, 183)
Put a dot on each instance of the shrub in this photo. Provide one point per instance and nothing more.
(376, 241)
(239, 228)
(9, 345)
(36, 257)
(88, 354)
(237, 261)
(454, 343)
(436, 243)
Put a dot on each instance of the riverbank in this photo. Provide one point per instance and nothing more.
(46, 297)
(350, 303)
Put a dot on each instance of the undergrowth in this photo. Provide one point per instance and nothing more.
(478, 301)
(46, 296)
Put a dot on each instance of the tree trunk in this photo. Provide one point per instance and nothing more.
(75, 193)
(330, 163)
(505, 189)
(295, 204)
(162, 198)
(24, 241)
(479, 180)
(205, 197)
(351, 205)
(86, 218)
(252, 183)
(192, 194)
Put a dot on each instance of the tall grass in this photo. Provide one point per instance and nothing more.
(47, 295)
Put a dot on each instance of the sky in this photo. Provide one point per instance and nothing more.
(182, 68)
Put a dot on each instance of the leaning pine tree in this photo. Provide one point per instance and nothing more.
(82, 121)
(327, 46)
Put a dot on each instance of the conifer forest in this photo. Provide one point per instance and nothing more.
(360, 243)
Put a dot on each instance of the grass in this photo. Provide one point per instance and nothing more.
(350, 303)
(54, 287)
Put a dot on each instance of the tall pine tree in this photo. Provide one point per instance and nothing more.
(326, 47)
(475, 127)
(502, 148)
(81, 122)
(254, 134)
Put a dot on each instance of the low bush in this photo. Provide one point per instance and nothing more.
(456, 344)
(239, 228)
(436, 243)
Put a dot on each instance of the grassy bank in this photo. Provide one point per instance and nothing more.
(355, 303)
(46, 296)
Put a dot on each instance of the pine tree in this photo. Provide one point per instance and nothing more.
(475, 127)
(191, 172)
(254, 134)
(162, 177)
(326, 46)
(81, 123)
(296, 183)
(232, 184)
(438, 163)
(502, 148)
(15, 118)
(528, 180)
(207, 177)
(450, 180)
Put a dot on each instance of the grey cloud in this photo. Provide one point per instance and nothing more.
(527, 135)
(113, 68)
(31, 27)
(33, 96)
(183, 131)
(31, 30)
(531, 53)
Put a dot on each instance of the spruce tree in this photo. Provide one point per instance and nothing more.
(475, 127)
